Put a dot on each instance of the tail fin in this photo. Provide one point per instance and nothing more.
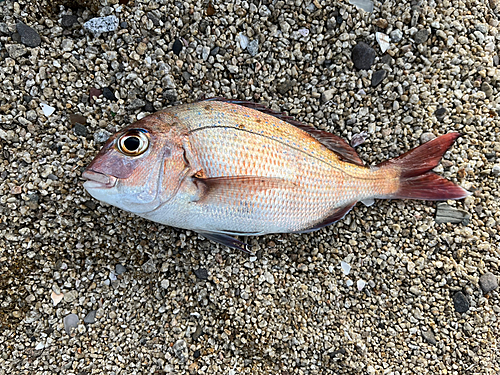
(416, 179)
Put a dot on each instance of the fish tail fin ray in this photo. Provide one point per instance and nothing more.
(417, 181)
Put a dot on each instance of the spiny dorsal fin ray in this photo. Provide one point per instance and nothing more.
(334, 143)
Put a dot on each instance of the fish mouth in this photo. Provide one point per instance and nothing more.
(96, 180)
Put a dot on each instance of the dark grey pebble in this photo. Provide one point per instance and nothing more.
(363, 56)
(421, 36)
(136, 104)
(201, 273)
(29, 36)
(68, 20)
(429, 337)
(214, 51)
(486, 88)
(440, 113)
(149, 106)
(109, 94)
(186, 76)
(284, 87)
(4, 29)
(70, 321)
(123, 25)
(177, 47)
(27, 99)
(196, 354)
(448, 214)
(16, 37)
(197, 334)
(52, 177)
(460, 302)
(90, 317)
(170, 95)
(378, 77)
(488, 282)
(91, 205)
(153, 18)
(80, 130)
(120, 269)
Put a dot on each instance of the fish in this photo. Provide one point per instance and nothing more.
(226, 168)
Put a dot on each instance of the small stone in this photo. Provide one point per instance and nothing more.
(201, 273)
(440, 113)
(382, 23)
(109, 94)
(414, 290)
(378, 77)
(396, 35)
(284, 87)
(80, 130)
(426, 137)
(170, 95)
(120, 269)
(304, 32)
(366, 5)
(123, 24)
(90, 204)
(47, 109)
(180, 350)
(16, 50)
(67, 45)
(68, 20)
(198, 333)
(460, 302)
(268, 276)
(141, 48)
(101, 136)
(56, 298)
(448, 214)
(153, 19)
(428, 336)
(495, 171)
(346, 268)
(70, 321)
(360, 284)
(253, 47)
(29, 36)
(328, 95)
(94, 93)
(243, 40)
(349, 282)
(486, 88)
(148, 107)
(40, 346)
(136, 104)
(363, 56)
(90, 317)
(383, 41)
(177, 47)
(70, 296)
(196, 354)
(100, 25)
(149, 266)
(488, 282)
(421, 36)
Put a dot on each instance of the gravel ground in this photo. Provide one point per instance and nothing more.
(89, 289)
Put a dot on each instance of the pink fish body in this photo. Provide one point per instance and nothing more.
(225, 168)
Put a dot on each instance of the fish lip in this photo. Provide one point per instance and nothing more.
(96, 180)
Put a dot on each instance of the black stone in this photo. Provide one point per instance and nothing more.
(177, 47)
(29, 36)
(91, 205)
(284, 87)
(27, 98)
(339, 20)
(153, 18)
(80, 130)
(123, 25)
(109, 94)
(421, 36)
(201, 273)
(170, 95)
(363, 56)
(214, 51)
(68, 20)
(378, 77)
(460, 302)
(186, 76)
(149, 106)
(196, 354)
(16, 37)
(440, 113)
(387, 59)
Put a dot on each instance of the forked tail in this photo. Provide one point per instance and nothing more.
(416, 179)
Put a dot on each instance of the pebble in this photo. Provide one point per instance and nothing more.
(488, 282)
(428, 336)
(421, 36)
(197, 333)
(15, 51)
(109, 94)
(382, 23)
(29, 36)
(70, 296)
(243, 40)
(70, 321)
(426, 137)
(448, 214)
(440, 113)
(68, 20)
(360, 284)
(90, 317)
(181, 350)
(383, 41)
(201, 273)
(40, 346)
(101, 25)
(56, 298)
(366, 5)
(327, 95)
(363, 56)
(285, 86)
(460, 302)
(495, 171)
(47, 109)
(136, 104)
(153, 19)
(177, 47)
(396, 35)
(378, 77)
(487, 89)
(80, 130)
(253, 47)
(346, 268)
(120, 269)
(101, 136)
(94, 93)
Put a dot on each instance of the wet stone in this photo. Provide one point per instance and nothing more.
(177, 47)
(201, 273)
(109, 94)
(396, 36)
(378, 77)
(90, 317)
(448, 214)
(80, 130)
(421, 36)
(440, 113)
(363, 56)
(90, 204)
(120, 269)
(460, 302)
(488, 282)
(29, 36)
(68, 20)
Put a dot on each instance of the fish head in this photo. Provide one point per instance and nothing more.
(140, 167)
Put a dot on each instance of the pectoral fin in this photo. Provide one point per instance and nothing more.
(228, 241)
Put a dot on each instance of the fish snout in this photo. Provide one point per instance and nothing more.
(96, 180)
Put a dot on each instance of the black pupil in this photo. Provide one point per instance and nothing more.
(132, 143)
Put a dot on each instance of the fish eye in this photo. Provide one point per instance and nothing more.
(133, 143)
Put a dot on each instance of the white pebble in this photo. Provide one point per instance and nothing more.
(47, 109)
(361, 284)
(349, 282)
(243, 40)
(346, 268)
(383, 41)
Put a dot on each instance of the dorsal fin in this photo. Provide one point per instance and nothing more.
(332, 142)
